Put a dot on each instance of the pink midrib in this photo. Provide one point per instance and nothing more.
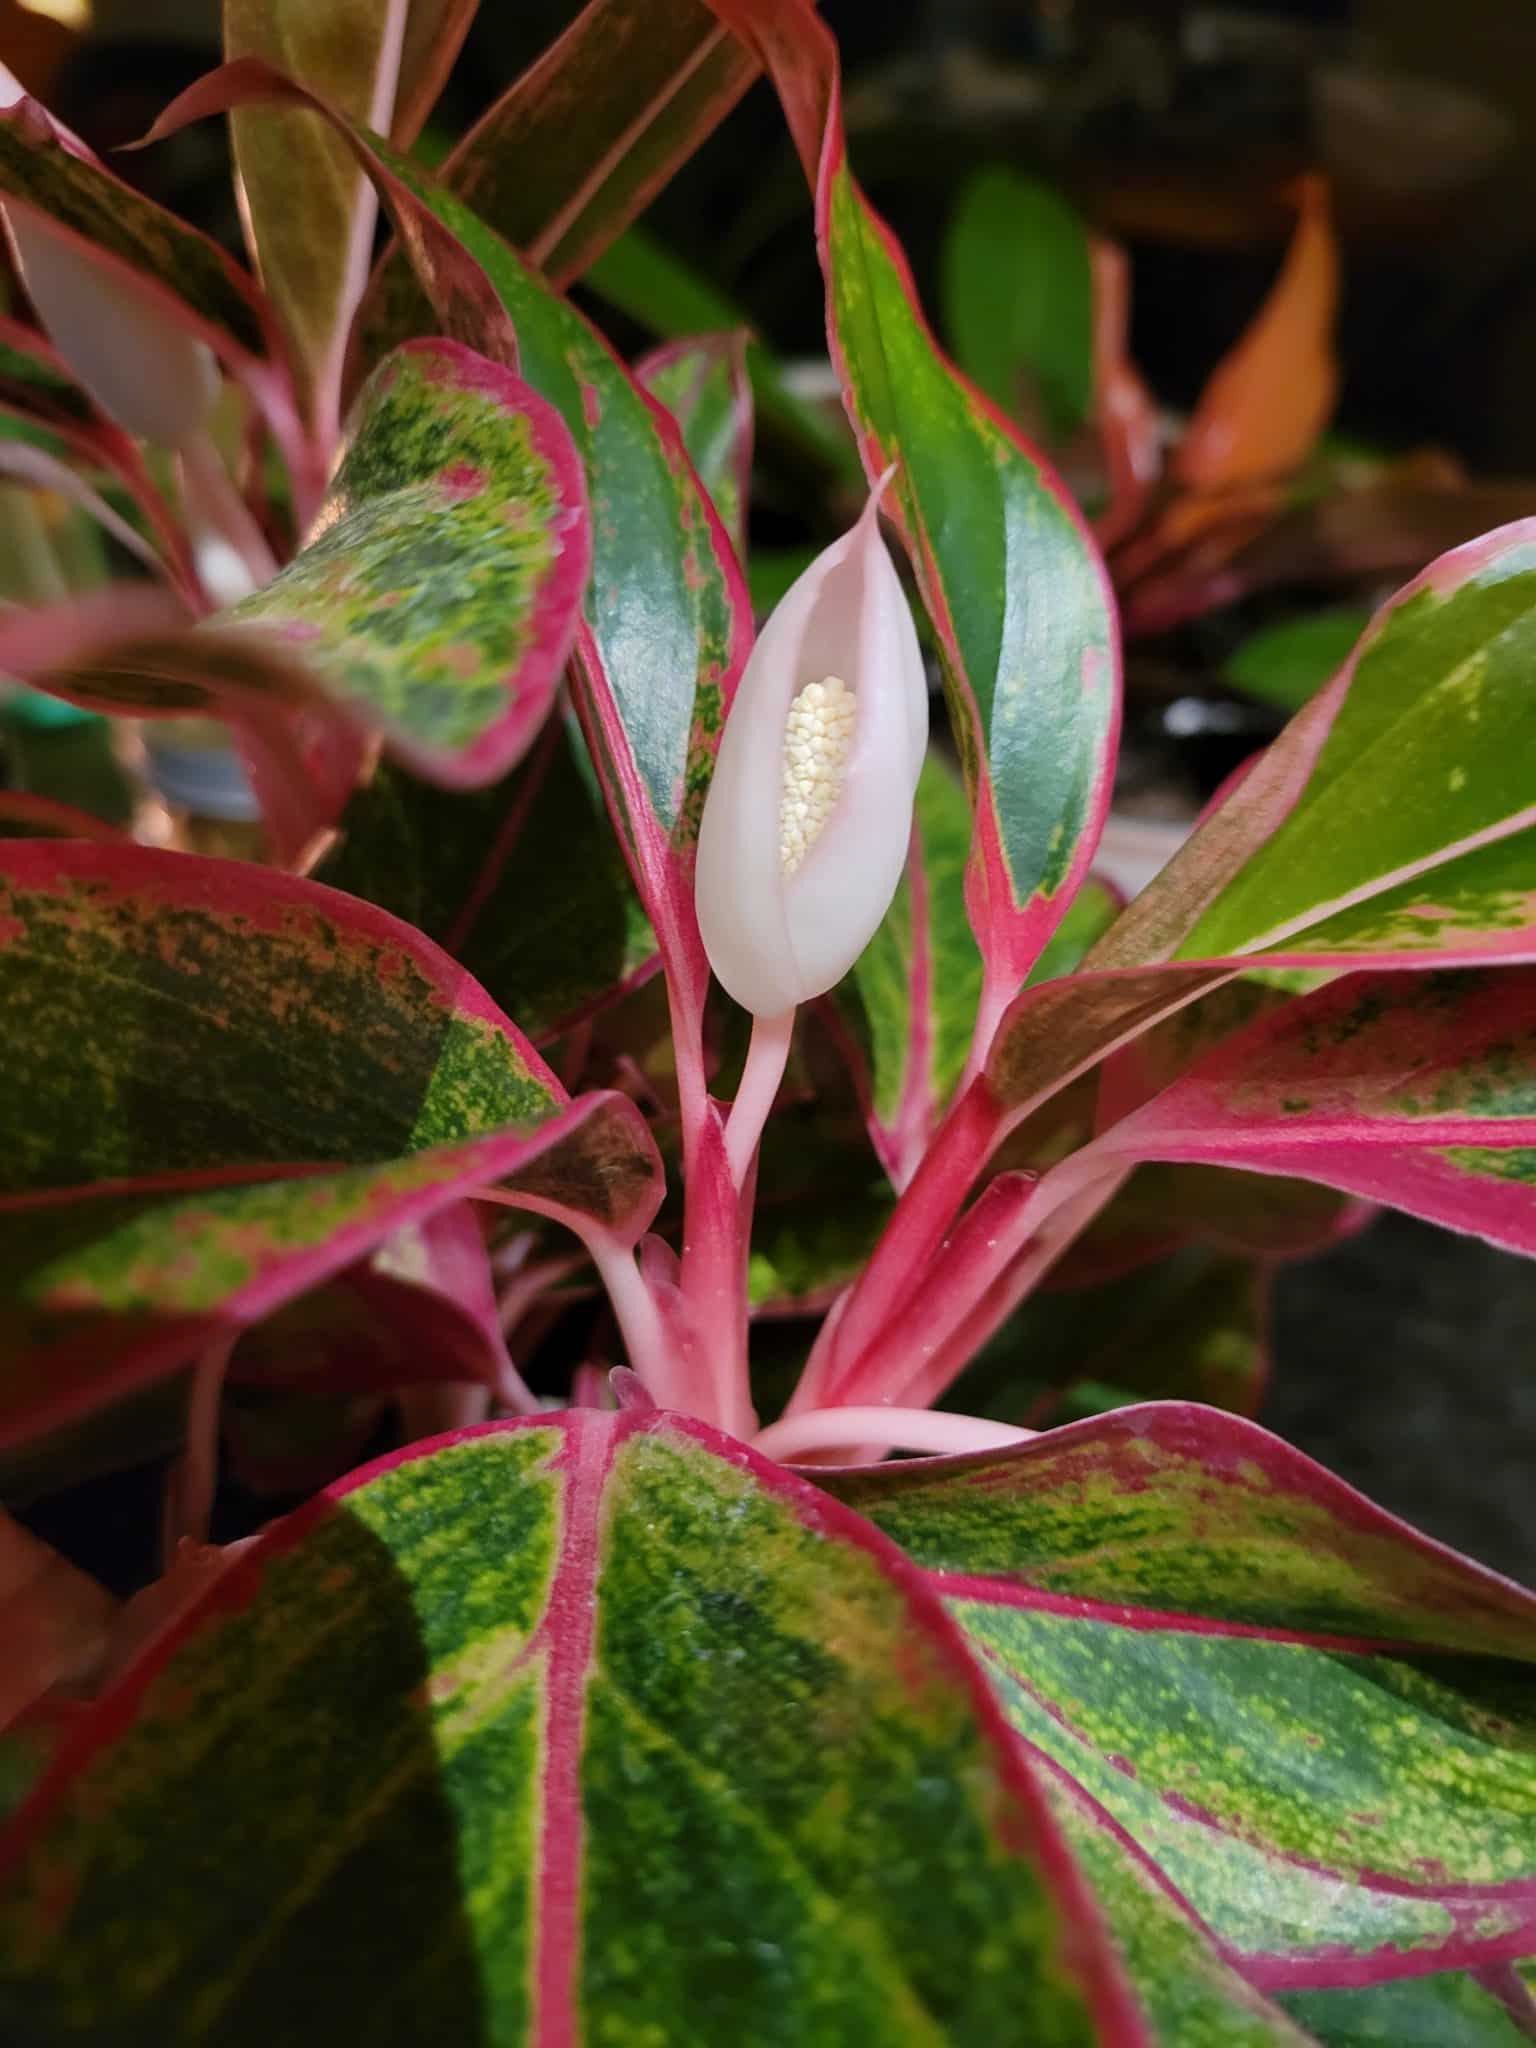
(567, 1629)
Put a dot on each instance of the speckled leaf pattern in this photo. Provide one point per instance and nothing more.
(307, 206)
(439, 594)
(222, 1085)
(1262, 1682)
(1403, 1088)
(704, 384)
(1192, 1994)
(648, 1683)
(1401, 778)
(522, 882)
(1012, 582)
(1177, 1508)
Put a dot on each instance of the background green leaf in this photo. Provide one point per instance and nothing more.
(1018, 298)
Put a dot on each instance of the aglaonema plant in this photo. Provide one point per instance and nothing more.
(663, 1705)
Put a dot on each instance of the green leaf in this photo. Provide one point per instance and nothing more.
(1018, 298)
(1192, 1994)
(440, 593)
(223, 1085)
(308, 209)
(598, 1728)
(1181, 1509)
(909, 1005)
(522, 882)
(703, 384)
(1449, 2010)
(1289, 663)
(667, 623)
(1399, 780)
(1149, 1591)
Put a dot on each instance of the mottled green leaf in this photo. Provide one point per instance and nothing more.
(1183, 1510)
(593, 1729)
(1314, 1804)
(1191, 1993)
(1319, 1727)
(223, 1085)
(439, 594)
(1018, 299)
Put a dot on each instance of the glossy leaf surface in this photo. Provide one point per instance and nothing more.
(667, 619)
(1400, 770)
(537, 1752)
(704, 385)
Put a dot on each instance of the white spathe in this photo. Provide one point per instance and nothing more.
(141, 369)
(775, 939)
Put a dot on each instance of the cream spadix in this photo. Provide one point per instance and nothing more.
(805, 828)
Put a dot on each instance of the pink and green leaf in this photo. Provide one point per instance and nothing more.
(1401, 768)
(703, 383)
(308, 210)
(653, 1680)
(668, 621)
(586, 138)
(1012, 582)
(1315, 1725)
(223, 1086)
(439, 596)
(1408, 1089)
